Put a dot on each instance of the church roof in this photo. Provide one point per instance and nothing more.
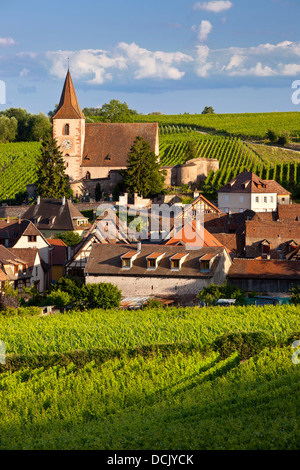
(68, 107)
(108, 144)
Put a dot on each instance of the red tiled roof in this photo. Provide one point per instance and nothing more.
(189, 234)
(108, 144)
(264, 269)
(248, 182)
(56, 242)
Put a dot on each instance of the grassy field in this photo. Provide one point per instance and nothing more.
(149, 379)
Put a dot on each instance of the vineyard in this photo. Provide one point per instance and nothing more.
(251, 126)
(17, 167)
(234, 155)
(150, 379)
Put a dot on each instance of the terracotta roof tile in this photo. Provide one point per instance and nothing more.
(264, 269)
(108, 144)
(248, 182)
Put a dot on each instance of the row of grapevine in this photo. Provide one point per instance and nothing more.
(17, 167)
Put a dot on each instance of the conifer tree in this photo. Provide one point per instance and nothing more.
(143, 174)
(52, 180)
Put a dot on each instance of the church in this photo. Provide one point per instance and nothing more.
(95, 152)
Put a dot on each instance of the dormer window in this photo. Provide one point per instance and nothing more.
(265, 247)
(177, 261)
(153, 260)
(66, 129)
(128, 259)
(88, 175)
(206, 262)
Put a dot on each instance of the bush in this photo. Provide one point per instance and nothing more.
(211, 294)
(272, 135)
(20, 311)
(58, 298)
(153, 303)
(284, 139)
(103, 295)
(245, 343)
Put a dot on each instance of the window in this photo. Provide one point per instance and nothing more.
(241, 198)
(32, 238)
(36, 271)
(151, 263)
(271, 198)
(265, 200)
(66, 129)
(257, 199)
(175, 263)
(226, 198)
(88, 175)
(126, 263)
(205, 265)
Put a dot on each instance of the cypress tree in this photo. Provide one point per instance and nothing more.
(143, 174)
(52, 181)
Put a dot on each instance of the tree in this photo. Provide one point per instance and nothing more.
(191, 150)
(40, 127)
(143, 174)
(272, 135)
(52, 180)
(103, 295)
(58, 298)
(69, 238)
(208, 110)
(8, 129)
(114, 111)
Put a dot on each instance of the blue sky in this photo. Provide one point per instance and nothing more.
(173, 56)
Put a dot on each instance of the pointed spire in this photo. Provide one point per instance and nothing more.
(68, 107)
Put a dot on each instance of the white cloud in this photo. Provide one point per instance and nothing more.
(236, 61)
(214, 6)
(203, 30)
(101, 65)
(24, 72)
(7, 42)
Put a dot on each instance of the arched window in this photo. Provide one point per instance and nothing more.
(66, 129)
(88, 175)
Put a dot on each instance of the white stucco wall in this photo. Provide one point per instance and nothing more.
(239, 202)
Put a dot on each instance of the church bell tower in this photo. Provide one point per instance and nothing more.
(69, 130)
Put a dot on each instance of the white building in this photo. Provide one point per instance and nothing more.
(248, 191)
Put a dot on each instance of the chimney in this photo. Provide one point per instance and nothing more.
(64, 200)
(7, 219)
(38, 201)
(139, 246)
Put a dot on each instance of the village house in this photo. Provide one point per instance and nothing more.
(164, 271)
(59, 257)
(13, 270)
(23, 235)
(267, 276)
(53, 216)
(107, 229)
(273, 235)
(38, 270)
(248, 191)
